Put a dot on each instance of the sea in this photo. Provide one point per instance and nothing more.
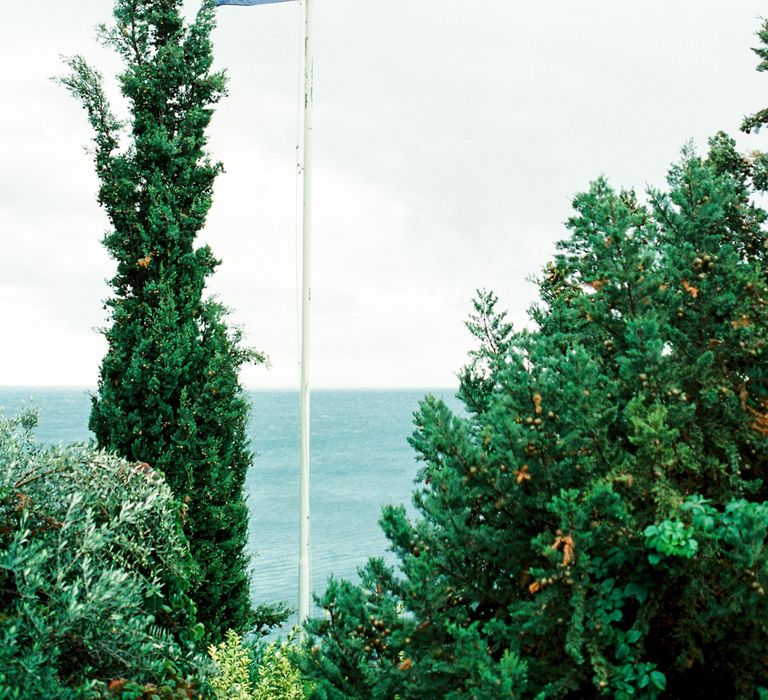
(359, 456)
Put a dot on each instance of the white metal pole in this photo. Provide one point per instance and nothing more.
(304, 559)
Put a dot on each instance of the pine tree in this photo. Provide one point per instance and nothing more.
(596, 523)
(754, 122)
(169, 393)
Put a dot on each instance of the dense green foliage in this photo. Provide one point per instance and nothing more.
(278, 676)
(169, 393)
(233, 665)
(256, 670)
(93, 573)
(596, 523)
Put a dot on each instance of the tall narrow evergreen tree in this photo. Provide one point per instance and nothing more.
(169, 393)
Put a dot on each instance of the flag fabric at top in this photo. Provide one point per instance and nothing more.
(248, 2)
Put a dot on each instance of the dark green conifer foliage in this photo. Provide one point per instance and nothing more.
(596, 523)
(168, 389)
(754, 122)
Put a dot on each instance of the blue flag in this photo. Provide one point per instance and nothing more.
(247, 2)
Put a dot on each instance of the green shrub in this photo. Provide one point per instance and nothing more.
(278, 676)
(256, 671)
(172, 687)
(231, 677)
(94, 570)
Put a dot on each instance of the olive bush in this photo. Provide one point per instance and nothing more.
(94, 571)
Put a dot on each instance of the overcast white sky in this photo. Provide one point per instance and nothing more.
(450, 138)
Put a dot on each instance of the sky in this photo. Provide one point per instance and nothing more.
(450, 138)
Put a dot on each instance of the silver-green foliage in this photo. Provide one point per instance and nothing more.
(94, 569)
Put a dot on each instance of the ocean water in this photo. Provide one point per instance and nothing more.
(360, 460)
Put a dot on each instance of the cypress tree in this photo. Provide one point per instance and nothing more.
(168, 392)
(596, 523)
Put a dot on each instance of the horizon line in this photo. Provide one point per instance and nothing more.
(83, 387)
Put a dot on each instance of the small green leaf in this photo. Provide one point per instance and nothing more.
(651, 530)
(659, 679)
(637, 591)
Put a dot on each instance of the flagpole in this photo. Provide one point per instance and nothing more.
(304, 559)
(305, 165)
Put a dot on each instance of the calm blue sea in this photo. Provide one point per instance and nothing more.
(360, 460)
